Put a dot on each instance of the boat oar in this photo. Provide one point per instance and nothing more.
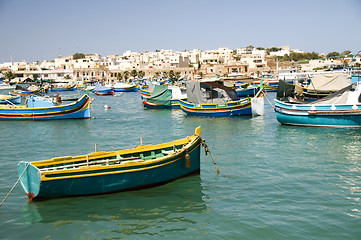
(207, 150)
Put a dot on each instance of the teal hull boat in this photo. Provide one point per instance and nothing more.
(340, 109)
(107, 172)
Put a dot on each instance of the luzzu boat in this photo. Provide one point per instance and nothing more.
(5, 99)
(103, 90)
(58, 88)
(107, 172)
(125, 87)
(215, 100)
(164, 97)
(340, 109)
(38, 108)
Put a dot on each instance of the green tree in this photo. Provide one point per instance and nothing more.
(9, 75)
(119, 76)
(141, 74)
(125, 75)
(346, 52)
(178, 75)
(201, 74)
(156, 75)
(78, 56)
(67, 76)
(134, 73)
(165, 74)
(333, 54)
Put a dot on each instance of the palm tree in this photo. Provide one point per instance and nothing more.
(156, 75)
(125, 75)
(165, 74)
(177, 75)
(134, 73)
(9, 75)
(141, 74)
(119, 76)
(201, 74)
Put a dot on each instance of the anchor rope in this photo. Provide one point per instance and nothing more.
(264, 92)
(207, 150)
(14, 185)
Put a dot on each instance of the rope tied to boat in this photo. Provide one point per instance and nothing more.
(264, 92)
(207, 150)
(15, 184)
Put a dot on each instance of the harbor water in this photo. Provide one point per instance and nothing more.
(276, 182)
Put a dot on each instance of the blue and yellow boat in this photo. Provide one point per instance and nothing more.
(213, 99)
(57, 88)
(38, 108)
(107, 172)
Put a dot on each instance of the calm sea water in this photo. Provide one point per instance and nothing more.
(276, 182)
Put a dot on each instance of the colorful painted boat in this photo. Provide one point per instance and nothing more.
(103, 90)
(58, 88)
(6, 99)
(215, 100)
(340, 109)
(26, 91)
(248, 91)
(164, 97)
(125, 87)
(107, 172)
(38, 108)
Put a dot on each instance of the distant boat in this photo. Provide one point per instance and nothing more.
(247, 91)
(340, 109)
(26, 91)
(322, 85)
(40, 108)
(5, 99)
(164, 97)
(5, 86)
(63, 87)
(125, 87)
(215, 100)
(107, 172)
(103, 90)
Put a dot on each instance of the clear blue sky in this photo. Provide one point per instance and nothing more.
(43, 29)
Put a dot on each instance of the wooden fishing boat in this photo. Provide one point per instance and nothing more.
(215, 100)
(103, 90)
(5, 99)
(322, 85)
(125, 87)
(39, 108)
(107, 172)
(340, 109)
(63, 88)
(164, 97)
(26, 91)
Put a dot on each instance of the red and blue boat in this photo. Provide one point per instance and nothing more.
(125, 87)
(107, 172)
(103, 90)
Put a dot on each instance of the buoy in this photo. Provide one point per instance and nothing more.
(106, 106)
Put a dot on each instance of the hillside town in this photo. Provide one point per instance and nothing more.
(188, 64)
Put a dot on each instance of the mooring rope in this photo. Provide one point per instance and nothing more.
(14, 185)
(207, 150)
(264, 92)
